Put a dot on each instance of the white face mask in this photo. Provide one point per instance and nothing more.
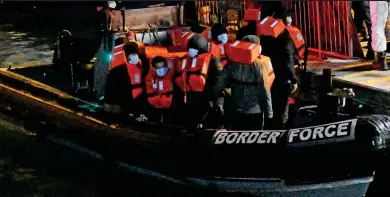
(192, 52)
(133, 59)
(288, 20)
(223, 38)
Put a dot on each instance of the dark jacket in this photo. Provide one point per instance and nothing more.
(282, 53)
(248, 89)
(118, 90)
(249, 29)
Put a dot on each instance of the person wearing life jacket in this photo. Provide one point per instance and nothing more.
(251, 99)
(251, 27)
(125, 91)
(159, 89)
(195, 76)
(219, 36)
(281, 50)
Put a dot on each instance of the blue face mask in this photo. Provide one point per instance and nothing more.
(133, 59)
(223, 38)
(192, 52)
(162, 71)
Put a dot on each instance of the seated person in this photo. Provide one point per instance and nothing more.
(125, 91)
(159, 89)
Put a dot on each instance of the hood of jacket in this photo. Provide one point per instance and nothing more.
(199, 43)
(252, 39)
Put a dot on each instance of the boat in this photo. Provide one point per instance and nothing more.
(315, 158)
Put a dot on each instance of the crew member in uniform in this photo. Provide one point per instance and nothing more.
(379, 11)
(251, 98)
(125, 90)
(159, 89)
(195, 75)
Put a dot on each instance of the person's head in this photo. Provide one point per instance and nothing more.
(131, 52)
(219, 33)
(120, 40)
(252, 39)
(197, 45)
(160, 64)
(285, 14)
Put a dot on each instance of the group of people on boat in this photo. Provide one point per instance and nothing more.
(208, 79)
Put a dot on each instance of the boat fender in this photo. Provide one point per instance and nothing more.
(373, 132)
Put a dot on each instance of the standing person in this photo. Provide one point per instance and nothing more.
(125, 90)
(251, 99)
(281, 50)
(195, 77)
(379, 11)
(362, 13)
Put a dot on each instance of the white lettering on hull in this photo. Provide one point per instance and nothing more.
(338, 131)
(247, 137)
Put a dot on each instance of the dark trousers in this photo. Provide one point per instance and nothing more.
(362, 13)
(281, 93)
(245, 122)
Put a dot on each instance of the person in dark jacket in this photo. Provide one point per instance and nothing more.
(250, 98)
(282, 53)
(118, 97)
(192, 113)
(249, 29)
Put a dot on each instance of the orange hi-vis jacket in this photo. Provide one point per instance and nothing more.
(191, 73)
(160, 89)
(270, 26)
(268, 71)
(175, 35)
(299, 42)
(135, 75)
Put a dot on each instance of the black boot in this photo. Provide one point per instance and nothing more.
(380, 61)
(370, 54)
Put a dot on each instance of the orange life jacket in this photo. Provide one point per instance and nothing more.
(243, 52)
(175, 35)
(182, 41)
(252, 15)
(153, 51)
(270, 26)
(191, 73)
(135, 75)
(219, 51)
(118, 48)
(160, 89)
(130, 36)
(298, 40)
(117, 59)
